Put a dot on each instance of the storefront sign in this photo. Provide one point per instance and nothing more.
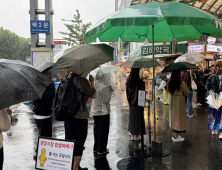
(196, 48)
(160, 49)
(211, 40)
(59, 42)
(209, 56)
(213, 48)
(54, 154)
(121, 45)
(141, 98)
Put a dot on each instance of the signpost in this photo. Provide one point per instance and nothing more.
(38, 26)
(55, 154)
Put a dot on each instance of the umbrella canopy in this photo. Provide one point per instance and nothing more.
(179, 66)
(110, 74)
(191, 58)
(84, 58)
(141, 63)
(134, 24)
(48, 66)
(20, 82)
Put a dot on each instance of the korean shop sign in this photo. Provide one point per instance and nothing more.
(38, 26)
(54, 154)
(121, 45)
(159, 49)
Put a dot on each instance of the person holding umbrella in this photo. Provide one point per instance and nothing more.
(133, 84)
(42, 108)
(177, 113)
(100, 109)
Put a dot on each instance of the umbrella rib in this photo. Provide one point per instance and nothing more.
(103, 32)
(123, 32)
(23, 77)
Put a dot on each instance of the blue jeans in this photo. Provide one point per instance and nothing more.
(189, 103)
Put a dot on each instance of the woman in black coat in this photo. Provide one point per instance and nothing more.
(133, 84)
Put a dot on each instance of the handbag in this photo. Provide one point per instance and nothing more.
(193, 84)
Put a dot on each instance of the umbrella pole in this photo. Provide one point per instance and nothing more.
(154, 102)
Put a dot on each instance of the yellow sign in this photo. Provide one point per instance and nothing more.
(149, 89)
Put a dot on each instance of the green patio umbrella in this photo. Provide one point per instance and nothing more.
(179, 66)
(157, 22)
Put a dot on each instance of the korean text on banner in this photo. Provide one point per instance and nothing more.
(150, 90)
(54, 154)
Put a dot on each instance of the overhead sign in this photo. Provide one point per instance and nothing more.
(38, 26)
(196, 48)
(159, 49)
(211, 40)
(213, 48)
(54, 154)
(141, 98)
(59, 42)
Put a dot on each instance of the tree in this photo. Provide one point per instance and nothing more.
(76, 30)
(12, 46)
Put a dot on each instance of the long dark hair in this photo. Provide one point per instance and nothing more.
(133, 77)
(174, 82)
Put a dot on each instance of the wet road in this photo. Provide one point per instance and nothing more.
(199, 151)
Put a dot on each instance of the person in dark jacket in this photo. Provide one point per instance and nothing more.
(133, 84)
(42, 110)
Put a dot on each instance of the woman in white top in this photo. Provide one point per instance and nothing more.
(5, 123)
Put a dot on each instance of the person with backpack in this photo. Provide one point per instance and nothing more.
(43, 112)
(76, 126)
(100, 109)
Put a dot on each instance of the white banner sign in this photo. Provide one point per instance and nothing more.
(141, 98)
(54, 154)
(213, 48)
(196, 48)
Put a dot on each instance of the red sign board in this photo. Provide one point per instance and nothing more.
(59, 42)
(209, 56)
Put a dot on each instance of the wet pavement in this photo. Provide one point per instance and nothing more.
(200, 150)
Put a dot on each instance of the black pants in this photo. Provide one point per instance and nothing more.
(101, 132)
(77, 129)
(1, 158)
(45, 127)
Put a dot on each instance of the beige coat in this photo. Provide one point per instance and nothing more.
(177, 113)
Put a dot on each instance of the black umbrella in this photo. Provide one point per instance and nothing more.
(48, 66)
(179, 66)
(20, 81)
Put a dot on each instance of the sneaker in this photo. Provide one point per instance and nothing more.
(132, 138)
(35, 155)
(100, 153)
(199, 104)
(194, 107)
(82, 168)
(214, 132)
(189, 115)
(178, 139)
(220, 136)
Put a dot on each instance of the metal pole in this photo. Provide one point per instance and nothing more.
(154, 103)
(142, 132)
(149, 122)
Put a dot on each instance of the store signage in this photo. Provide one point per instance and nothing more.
(54, 154)
(141, 98)
(213, 48)
(38, 26)
(211, 40)
(59, 42)
(196, 48)
(209, 56)
(121, 45)
(116, 54)
(159, 49)
(149, 89)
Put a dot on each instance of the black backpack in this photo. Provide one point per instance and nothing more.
(66, 104)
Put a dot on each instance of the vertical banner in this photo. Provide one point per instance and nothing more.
(150, 90)
(54, 154)
(147, 89)
(141, 98)
(116, 54)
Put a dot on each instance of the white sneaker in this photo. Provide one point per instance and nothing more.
(137, 138)
(220, 136)
(178, 139)
(214, 132)
(199, 104)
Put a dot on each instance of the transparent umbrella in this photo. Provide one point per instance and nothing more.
(191, 58)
